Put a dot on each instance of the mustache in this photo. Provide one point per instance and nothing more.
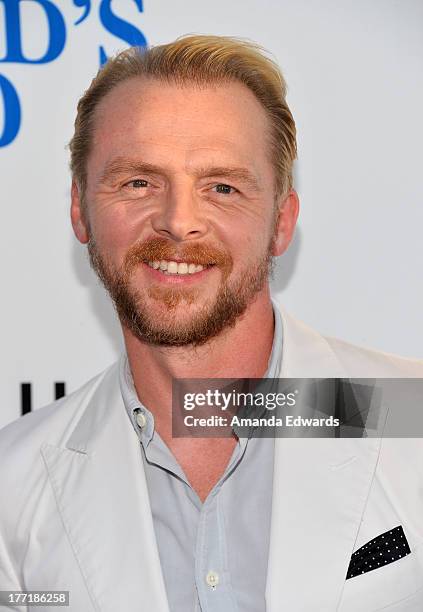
(156, 249)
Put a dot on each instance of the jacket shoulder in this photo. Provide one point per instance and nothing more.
(21, 440)
(362, 362)
(308, 353)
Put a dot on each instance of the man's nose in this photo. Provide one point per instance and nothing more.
(180, 217)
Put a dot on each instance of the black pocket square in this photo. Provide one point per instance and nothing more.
(384, 549)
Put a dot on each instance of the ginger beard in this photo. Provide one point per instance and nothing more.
(231, 301)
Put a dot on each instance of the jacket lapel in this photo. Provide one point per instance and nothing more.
(319, 492)
(101, 493)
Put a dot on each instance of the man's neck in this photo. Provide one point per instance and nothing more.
(241, 351)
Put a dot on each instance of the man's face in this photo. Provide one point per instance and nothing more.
(180, 207)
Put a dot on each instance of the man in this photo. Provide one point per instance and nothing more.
(182, 190)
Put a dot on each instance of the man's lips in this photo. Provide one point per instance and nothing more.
(177, 279)
(176, 258)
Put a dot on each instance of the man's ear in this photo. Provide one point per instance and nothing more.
(77, 215)
(288, 212)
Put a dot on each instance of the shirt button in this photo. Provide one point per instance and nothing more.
(212, 579)
(141, 420)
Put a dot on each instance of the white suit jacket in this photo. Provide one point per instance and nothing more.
(75, 514)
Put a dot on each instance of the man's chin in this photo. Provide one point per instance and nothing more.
(168, 322)
(176, 318)
(167, 333)
(175, 301)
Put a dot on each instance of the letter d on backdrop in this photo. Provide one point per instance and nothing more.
(56, 32)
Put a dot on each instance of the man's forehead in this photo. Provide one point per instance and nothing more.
(148, 89)
(226, 111)
(164, 124)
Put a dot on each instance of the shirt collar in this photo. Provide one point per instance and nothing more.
(132, 404)
(134, 407)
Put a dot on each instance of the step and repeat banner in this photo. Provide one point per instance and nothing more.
(355, 78)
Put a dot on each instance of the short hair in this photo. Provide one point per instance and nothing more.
(200, 60)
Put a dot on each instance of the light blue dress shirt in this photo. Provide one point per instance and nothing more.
(214, 554)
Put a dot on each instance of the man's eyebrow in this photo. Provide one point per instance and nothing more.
(234, 173)
(122, 165)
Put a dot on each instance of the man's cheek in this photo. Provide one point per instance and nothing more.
(112, 238)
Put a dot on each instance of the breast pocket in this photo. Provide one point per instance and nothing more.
(387, 588)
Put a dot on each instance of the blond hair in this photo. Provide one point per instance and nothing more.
(200, 60)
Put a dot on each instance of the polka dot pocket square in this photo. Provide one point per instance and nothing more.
(385, 548)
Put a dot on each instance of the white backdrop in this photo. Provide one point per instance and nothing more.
(355, 77)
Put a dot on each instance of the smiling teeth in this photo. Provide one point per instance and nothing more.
(173, 267)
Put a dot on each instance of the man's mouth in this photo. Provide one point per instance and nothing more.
(174, 267)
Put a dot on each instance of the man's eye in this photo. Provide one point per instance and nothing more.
(137, 184)
(225, 189)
